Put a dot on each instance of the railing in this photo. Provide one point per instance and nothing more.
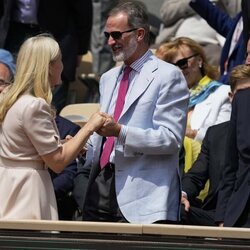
(32, 234)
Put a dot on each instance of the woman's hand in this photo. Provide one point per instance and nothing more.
(96, 121)
(110, 127)
(191, 133)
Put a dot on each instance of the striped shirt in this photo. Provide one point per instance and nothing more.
(136, 69)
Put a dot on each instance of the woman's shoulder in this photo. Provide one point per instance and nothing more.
(29, 99)
(223, 89)
(29, 102)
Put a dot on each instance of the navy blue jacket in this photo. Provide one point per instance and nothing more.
(234, 193)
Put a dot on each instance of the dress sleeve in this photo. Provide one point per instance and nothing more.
(40, 127)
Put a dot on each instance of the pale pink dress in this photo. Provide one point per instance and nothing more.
(26, 189)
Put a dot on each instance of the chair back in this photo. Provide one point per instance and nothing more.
(79, 113)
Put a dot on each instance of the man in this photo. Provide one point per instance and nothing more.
(211, 163)
(133, 176)
(233, 206)
(233, 51)
(208, 166)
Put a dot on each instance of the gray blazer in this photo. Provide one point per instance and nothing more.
(146, 166)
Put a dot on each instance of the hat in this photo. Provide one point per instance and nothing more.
(7, 59)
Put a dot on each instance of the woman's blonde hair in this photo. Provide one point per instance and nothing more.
(32, 74)
(167, 51)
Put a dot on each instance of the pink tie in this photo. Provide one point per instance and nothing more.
(108, 146)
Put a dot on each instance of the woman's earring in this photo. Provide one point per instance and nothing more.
(200, 65)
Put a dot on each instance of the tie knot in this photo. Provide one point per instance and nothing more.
(127, 70)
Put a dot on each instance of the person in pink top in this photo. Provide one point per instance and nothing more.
(29, 139)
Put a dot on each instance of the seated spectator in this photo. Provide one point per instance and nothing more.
(209, 165)
(7, 69)
(209, 102)
(233, 205)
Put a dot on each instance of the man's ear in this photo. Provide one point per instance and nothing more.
(140, 34)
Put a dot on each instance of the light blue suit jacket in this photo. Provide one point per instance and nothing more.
(146, 166)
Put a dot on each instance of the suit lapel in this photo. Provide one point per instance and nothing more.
(110, 88)
(144, 79)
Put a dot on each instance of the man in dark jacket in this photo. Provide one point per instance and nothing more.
(208, 166)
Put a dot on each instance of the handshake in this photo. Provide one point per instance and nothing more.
(99, 122)
(103, 124)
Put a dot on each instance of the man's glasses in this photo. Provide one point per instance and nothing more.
(117, 34)
(3, 83)
(183, 63)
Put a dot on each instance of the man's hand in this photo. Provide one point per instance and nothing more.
(110, 128)
(185, 202)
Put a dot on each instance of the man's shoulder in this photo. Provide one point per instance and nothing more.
(218, 127)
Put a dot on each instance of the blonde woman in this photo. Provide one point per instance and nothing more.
(29, 140)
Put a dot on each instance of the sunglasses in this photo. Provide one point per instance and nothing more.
(117, 34)
(183, 63)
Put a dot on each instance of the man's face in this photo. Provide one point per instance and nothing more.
(123, 48)
(4, 76)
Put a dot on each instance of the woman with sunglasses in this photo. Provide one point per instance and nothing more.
(209, 101)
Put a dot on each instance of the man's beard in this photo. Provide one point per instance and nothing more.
(127, 52)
